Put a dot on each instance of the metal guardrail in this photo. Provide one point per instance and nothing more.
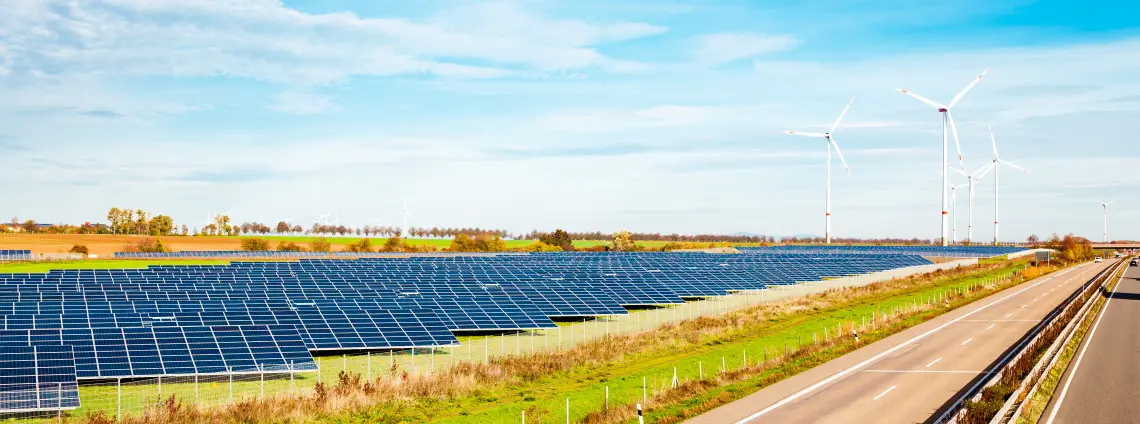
(951, 414)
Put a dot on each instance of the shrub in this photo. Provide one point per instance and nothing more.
(147, 245)
(254, 244)
(394, 244)
(79, 248)
(320, 245)
(288, 246)
(362, 246)
(539, 246)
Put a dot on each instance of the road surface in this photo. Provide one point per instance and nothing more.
(907, 377)
(1102, 382)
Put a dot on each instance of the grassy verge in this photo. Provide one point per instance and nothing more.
(540, 383)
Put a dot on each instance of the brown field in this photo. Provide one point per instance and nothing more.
(105, 245)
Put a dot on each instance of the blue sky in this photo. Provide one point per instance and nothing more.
(588, 115)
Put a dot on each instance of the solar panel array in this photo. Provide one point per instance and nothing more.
(248, 317)
(15, 255)
(930, 251)
(37, 378)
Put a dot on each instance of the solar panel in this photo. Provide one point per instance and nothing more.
(37, 378)
(174, 351)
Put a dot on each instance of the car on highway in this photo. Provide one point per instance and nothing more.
(1133, 263)
(1098, 259)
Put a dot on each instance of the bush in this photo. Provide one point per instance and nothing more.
(539, 246)
(394, 244)
(147, 245)
(320, 245)
(481, 243)
(362, 246)
(79, 248)
(254, 244)
(288, 246)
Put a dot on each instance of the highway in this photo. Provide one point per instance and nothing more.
(1101, 383)
(908, 376)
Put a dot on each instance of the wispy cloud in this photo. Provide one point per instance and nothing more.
(715, 49)
(302, 103)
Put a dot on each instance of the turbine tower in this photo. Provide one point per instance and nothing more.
(1105, 206)
(973, 179)
(947, 120)
(827, 136)
(954, 211)
(997, 161)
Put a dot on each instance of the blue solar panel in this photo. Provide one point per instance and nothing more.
(37, 378)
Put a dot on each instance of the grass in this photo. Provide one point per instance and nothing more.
(498, 390)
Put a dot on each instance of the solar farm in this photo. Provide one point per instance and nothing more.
(79, 339)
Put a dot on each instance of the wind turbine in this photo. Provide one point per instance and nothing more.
(972, 179)
(827, 136)
(206, 222)
(947, 119)
(954, 211)
(997, 161)
(404, 232)
(1105, 206)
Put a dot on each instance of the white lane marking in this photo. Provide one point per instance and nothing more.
(1077, 365)
(991, 326)
(882, 354)
(1009, 315)
(884, 393)
(933, 362)
(967, 341)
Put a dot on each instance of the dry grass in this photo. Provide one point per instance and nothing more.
(400, 395)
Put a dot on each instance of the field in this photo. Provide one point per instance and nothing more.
(106, 245)
(637, 358)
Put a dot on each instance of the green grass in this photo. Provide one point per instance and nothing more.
(41, 267)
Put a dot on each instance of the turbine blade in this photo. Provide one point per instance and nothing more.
(1011, 165)
(840, 153)
(933, 103)
(968, 87)
(840, 118)
(808, 134)
(954, 131)
(985, 170)
(964, 174)
(993, 141)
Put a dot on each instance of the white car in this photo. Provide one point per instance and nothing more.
(1098, 259)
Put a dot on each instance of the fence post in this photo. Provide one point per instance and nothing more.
(261, 367)
(700, 370)
(318, 369)
(413, 361)
(160, 386)
(369, 366)
(567, 410)
(745, 358)
(644, 392)
(291, 377)
(674, 377)
(195, 388)
(118, 399)
(524, 416)
(487, 348)
(723, 369)
(640, 418)
(231, 374)
(344, 362)
(607, 398)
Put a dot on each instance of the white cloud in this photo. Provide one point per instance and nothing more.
(303, 103)
(617, 120)
(726, 47)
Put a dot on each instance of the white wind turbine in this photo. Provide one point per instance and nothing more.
(206, 222)
(947, 120)
(973, 179)
(1105, 206)
(827, 136)
(404, 232)
(997, 161)
(954, 211)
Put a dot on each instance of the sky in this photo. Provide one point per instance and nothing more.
(659, 116)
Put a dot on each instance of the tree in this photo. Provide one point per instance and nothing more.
(1032, 240)
(539, 246)
(79, 248)
(394, 244)
(30, 226)
(160, 225)
(462, 243)
(362, 246)
(558, 238)
(623, 242)
(320, 245)
(282, 227)
(185, 230)
(297, 228)
(254, 244)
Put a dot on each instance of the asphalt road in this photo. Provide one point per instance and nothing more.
(907, 377)
(1102, 383)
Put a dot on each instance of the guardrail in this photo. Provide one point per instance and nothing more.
(953, 413)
